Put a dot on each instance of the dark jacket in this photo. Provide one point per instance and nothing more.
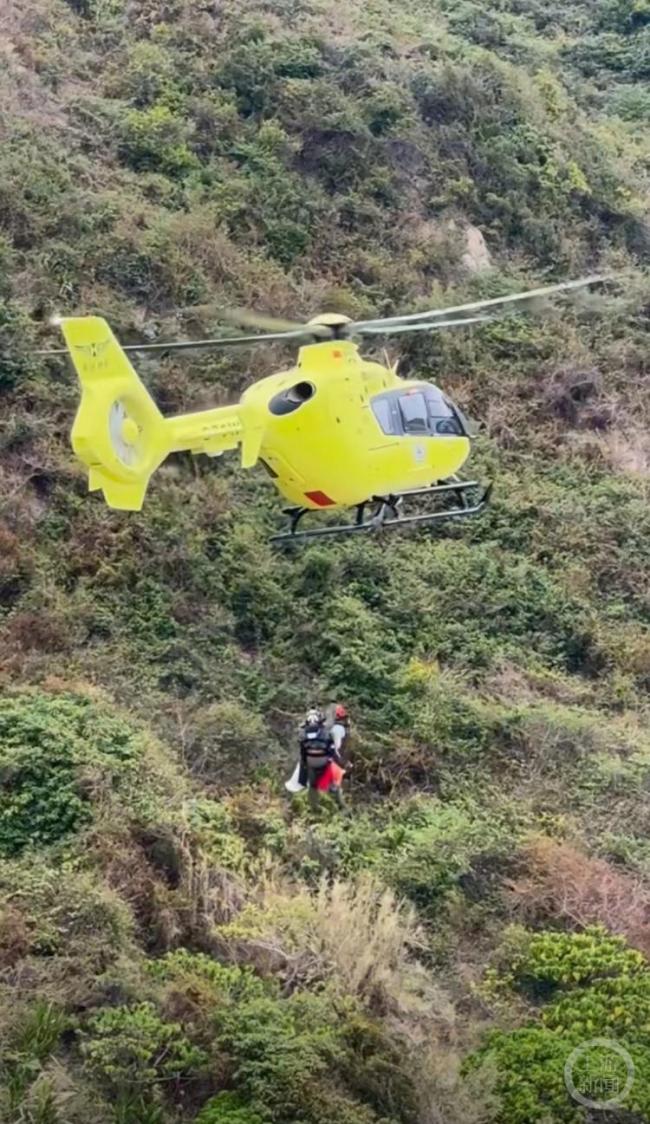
(317, 748)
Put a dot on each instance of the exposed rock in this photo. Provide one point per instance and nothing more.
(477, 257)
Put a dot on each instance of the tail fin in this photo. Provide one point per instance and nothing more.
(119, 432)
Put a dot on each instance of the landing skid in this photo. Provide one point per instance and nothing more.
(380, 512)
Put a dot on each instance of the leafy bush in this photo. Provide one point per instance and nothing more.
(146, 76)
(530, 1076)
(631, 103)
(214, 830)
(228, 738)
(450, 722)
(227, 1108)
(567, 960)
(284, 1054)
(221, 983)
(357, 652)
(602, 991)
(71, 920)
(15, 363)
(530, 1073)
(128, 1047)
(281, 1048)
(424, 849)
(46, 743)
(155, 139)
(609, 1008)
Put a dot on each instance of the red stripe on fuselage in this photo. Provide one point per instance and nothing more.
(319, 498)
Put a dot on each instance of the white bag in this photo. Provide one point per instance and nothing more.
(293, 784)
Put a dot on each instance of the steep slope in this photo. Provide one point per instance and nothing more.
(176, 943)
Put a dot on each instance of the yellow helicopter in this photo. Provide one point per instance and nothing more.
(336, 431)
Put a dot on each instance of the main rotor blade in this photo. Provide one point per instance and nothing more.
(249, 318)
(475, 306)
(232, 341)
(434, 327)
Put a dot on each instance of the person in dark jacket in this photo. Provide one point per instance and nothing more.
(321, 764)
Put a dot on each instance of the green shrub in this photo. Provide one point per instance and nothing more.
(223, 983)
(16, 365)
(530, 1082)
(128, 1047)
(449, 721)
(356, 652)
(46, 743)
(530, 1067)
(155, 139)
(282, 1051)
(146, 76)
(610, 1008)
(632, 103)
(600, 990)
(551, 961)
(431, 846)
(227, 1108)
(69, 916)
(423, 849)
(387, 108)
(227, 738)
(212, 826)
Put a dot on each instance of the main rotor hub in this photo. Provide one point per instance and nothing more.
(335, 321)
(330, 319)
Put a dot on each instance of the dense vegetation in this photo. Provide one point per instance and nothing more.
(177, 943)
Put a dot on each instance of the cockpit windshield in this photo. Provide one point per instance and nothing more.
(413, 408)
(420, 411)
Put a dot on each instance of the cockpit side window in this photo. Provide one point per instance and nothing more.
(385, 413)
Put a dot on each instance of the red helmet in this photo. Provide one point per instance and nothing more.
(340, 711)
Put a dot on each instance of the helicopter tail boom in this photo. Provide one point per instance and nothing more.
(120, 434)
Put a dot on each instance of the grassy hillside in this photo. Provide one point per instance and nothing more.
(177, 943)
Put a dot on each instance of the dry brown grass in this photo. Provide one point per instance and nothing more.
(508, 683)
(628, 451)
(14, 936)
(562, 882)
(446, 1097)
(356, 934)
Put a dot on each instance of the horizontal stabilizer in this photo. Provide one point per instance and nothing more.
(251, 445)
(122, 497)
